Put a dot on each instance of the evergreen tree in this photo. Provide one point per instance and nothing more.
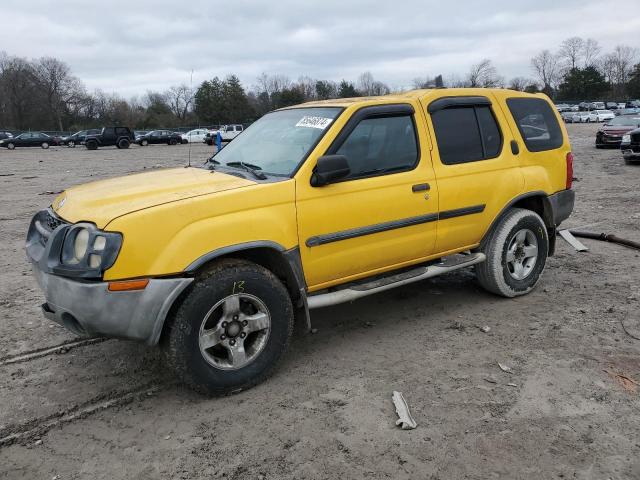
(347, 90)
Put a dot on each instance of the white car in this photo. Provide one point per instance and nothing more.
(600, 116)
(229, 132)
(580, 117)
(196, 135)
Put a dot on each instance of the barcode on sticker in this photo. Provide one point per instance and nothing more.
(314, 122)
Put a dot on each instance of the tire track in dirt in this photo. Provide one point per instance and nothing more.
(45, 351)
(34, 428)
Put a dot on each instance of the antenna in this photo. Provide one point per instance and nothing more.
(188, 136)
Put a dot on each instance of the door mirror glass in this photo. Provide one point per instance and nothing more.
(329, 169)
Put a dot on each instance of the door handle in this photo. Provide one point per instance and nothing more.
(421, 187)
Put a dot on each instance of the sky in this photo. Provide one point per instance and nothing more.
(130, 47)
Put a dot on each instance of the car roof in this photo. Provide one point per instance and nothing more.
(413, 95)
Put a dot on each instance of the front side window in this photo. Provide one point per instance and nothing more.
(466, 134)
(381, 145)
(280, 140)
(537, 123)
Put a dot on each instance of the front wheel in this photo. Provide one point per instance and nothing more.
(231, 330)
(45, 145)
(516, 254)
(11, 146)
(144, 143)
(173, 141)
(71, 144)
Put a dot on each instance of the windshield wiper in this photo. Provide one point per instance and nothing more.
(252, 169)
(211, 163)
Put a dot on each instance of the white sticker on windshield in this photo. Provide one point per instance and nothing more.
(314, 122)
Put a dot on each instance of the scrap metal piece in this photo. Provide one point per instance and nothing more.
(405, 421)
(505, 368)
(573, 241)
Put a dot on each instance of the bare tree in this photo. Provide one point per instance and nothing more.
(307, 86)
(571, 50)
(368, 86)
(590, 51)
(180, 99)
(58, 85)
(484, 74)
(520, 83)
(546, 67)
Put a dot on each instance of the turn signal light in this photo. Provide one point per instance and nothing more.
(127, 285)
(569, 170)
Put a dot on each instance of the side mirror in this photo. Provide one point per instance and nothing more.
(329, 169)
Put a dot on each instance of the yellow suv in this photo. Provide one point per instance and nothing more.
(312, 205)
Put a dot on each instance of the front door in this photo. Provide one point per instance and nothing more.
(384, 214)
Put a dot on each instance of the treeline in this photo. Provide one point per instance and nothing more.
(44, 94)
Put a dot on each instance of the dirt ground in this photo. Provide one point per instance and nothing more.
(569, 409)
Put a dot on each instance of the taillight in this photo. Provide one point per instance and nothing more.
(569, 170)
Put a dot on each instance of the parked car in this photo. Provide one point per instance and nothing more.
(630, 146)
(196, 135)
(120, 137)
(209, 262)
(4, 135)
(231, 131)
(611, 105)
(29, 139)
(627, 111)
(567, 116)
(156, 137)
(78, 138)
(563, 107)
(599, 116)
(139, 133)
(580, 117)
(598, 106)
(610, 134)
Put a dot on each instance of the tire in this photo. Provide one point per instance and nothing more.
(11, 146)
(123, 143)
(496, 274)
(213, 370)
(71, 144)
(173, 141)
(45, 145)
(92, 145)
(144, 143)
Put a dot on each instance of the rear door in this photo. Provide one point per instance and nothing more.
(477, 172)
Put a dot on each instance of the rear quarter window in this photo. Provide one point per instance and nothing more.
(537, 123)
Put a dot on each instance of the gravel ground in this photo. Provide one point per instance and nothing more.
(569, 409)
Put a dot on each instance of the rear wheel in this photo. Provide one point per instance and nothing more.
(516, 254)
(173, 141)
(231, 330)
(144, 143)
(123, 143)
(45, 145)
(11, 146)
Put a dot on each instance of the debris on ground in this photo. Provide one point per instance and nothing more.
(51, 192)
(505, 368)
(573, 241)
(405, 419)
(485, 329)
(511, 385)
(629, 384)
(490, 380)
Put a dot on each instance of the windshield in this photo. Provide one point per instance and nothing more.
(280, 140)
(629, 121)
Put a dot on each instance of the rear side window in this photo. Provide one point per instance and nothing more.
(537, 123)
(466, 134)
(381, 145)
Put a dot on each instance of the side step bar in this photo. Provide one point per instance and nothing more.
(353, 292)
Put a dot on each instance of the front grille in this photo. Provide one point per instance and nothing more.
(52, 221)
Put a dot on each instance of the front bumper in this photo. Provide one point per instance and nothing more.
(89, 308)
(630, 153)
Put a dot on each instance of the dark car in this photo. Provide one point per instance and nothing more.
(610, 134)
(631, 146)
(159, 136)
(78, 137)
(28, 139)
(120, 137)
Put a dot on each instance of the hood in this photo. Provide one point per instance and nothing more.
(101, 202)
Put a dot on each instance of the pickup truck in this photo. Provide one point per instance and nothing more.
(314, 205)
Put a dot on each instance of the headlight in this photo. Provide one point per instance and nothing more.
(626, 139)
(87, 251)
